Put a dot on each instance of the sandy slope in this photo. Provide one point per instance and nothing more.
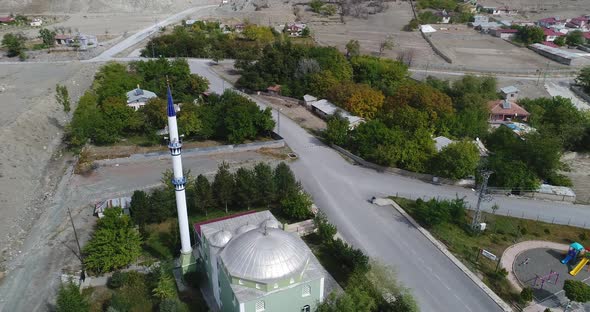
(31, 127)
(92, 6)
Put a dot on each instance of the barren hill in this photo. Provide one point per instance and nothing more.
(92, 6)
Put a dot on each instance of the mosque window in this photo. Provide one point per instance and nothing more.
(260, 306)
(305, 291)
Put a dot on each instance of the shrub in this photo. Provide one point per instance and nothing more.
(325, 230)
(577, 291)
(69, 299)
(546, 231)
(352, 259)
(117, 280)
(526, 295)
(583, 236)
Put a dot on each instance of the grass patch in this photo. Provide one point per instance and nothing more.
(501, 232)
(159, 242)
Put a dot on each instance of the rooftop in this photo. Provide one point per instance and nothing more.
(554, 51)
(441, 142)
(139, 95)
(504, 107)
(509, 89)
(330, 109)
(551, 32)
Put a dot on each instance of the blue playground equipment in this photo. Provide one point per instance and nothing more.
(572, 253)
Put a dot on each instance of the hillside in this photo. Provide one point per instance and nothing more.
(92, 6)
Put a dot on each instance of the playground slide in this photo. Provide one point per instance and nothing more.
(567, 259)
(579, 267)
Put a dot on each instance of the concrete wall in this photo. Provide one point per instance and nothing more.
(302, 228)
(579, 92)
(289, 299)
(420, 176)
(435, 49)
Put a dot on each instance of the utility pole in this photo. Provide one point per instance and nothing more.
(279, 121)
(83, 276)
(482, 196)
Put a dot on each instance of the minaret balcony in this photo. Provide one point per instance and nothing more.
(179, 183)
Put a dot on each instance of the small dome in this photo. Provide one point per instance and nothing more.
(270, 224)
(245, 228)
(220, 238)
(265, 255)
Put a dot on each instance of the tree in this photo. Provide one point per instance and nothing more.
(284, 181)
(14, 44)
(353, 48)
(264, 184)
(62, 97)
(329, 10)
(456, 160)
(114, 244)
(386, 44)
(223, 185)
(560, 41)
(165, 286)
(577, 291)
(245, 187)
(188, 120)
(359, 99)
(139, 208)
(296, 205)
(583, 79)
(69, 299)
(575, 38)
(526, 294)
(316, 5)
(48, 37)
(154, 114)
(337, 130)
(321, 83)
(529, 34)
(422, 97)
(203, 194)
(383, 74)
(325, 229)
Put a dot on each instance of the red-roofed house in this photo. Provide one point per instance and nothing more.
(550, 21)
(505, 34)
(550, 34)
(587, 36)
(580, 23)
(501, 110)
(6, 20)
(274, 90)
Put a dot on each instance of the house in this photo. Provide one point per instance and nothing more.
(308, 100)
(441, 142)
(36, 22)
(80, 41)
(486, 27)
(490, 10)
(252, 265)
(479, 19)
(558, 55)
(274, 90)
(325, 109)
(549, 44)
(62, 39)
(501, 110)
(504, 33)
(579, 23)
(445, 17)
(550, 34)
(6, 20)
(295, 29)
(239, 28)
(138, 97)
(122, 202)
(510, 93)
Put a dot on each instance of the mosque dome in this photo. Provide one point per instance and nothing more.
(265, 255)
(220, 238)
(245, 228)
(270, 223)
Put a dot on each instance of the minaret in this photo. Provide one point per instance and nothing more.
(179, 182)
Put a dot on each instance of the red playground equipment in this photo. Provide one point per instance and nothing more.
(546, 278)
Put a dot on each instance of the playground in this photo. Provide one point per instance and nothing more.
(545, 270)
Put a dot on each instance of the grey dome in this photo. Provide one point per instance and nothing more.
(245, 228)
(257, 256)
(220, 238)
(270, 223)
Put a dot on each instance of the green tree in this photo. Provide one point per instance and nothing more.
(577, 291)
(139, 208)
(428, 17)
(154, 114)
(203, 194)
(526, 294)
(62, 97)
(296, 205)
(457, 160)
(14, 44)
(284, 181)
(583, 79)
(48, 37)
(575, 38)
(85, 120)
(560, 41)
(422, 97)
(529, 34)
(337, 130)
(321, 83)
(223, 185)
(69, 299)
(383, 74)
(316, 5)
(353, 48)
(325, 229)
(165, 286)
(114, 244)
(188, 120)
(245, 187)
(265, 191)
(386, 44)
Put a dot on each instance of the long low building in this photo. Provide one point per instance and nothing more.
(559, 55)
(325, 109)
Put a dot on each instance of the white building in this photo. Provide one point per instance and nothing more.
(138, 97)
(325, 109)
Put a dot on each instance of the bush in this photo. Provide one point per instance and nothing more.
(577, 291)
(172, 305)
(117, 280)
(583, 236)
(526, 295)
(69, 299)
(325, 230)
(546, 231)
(353, 260)
(433, 212)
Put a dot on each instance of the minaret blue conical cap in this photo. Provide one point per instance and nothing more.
(171, 111)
